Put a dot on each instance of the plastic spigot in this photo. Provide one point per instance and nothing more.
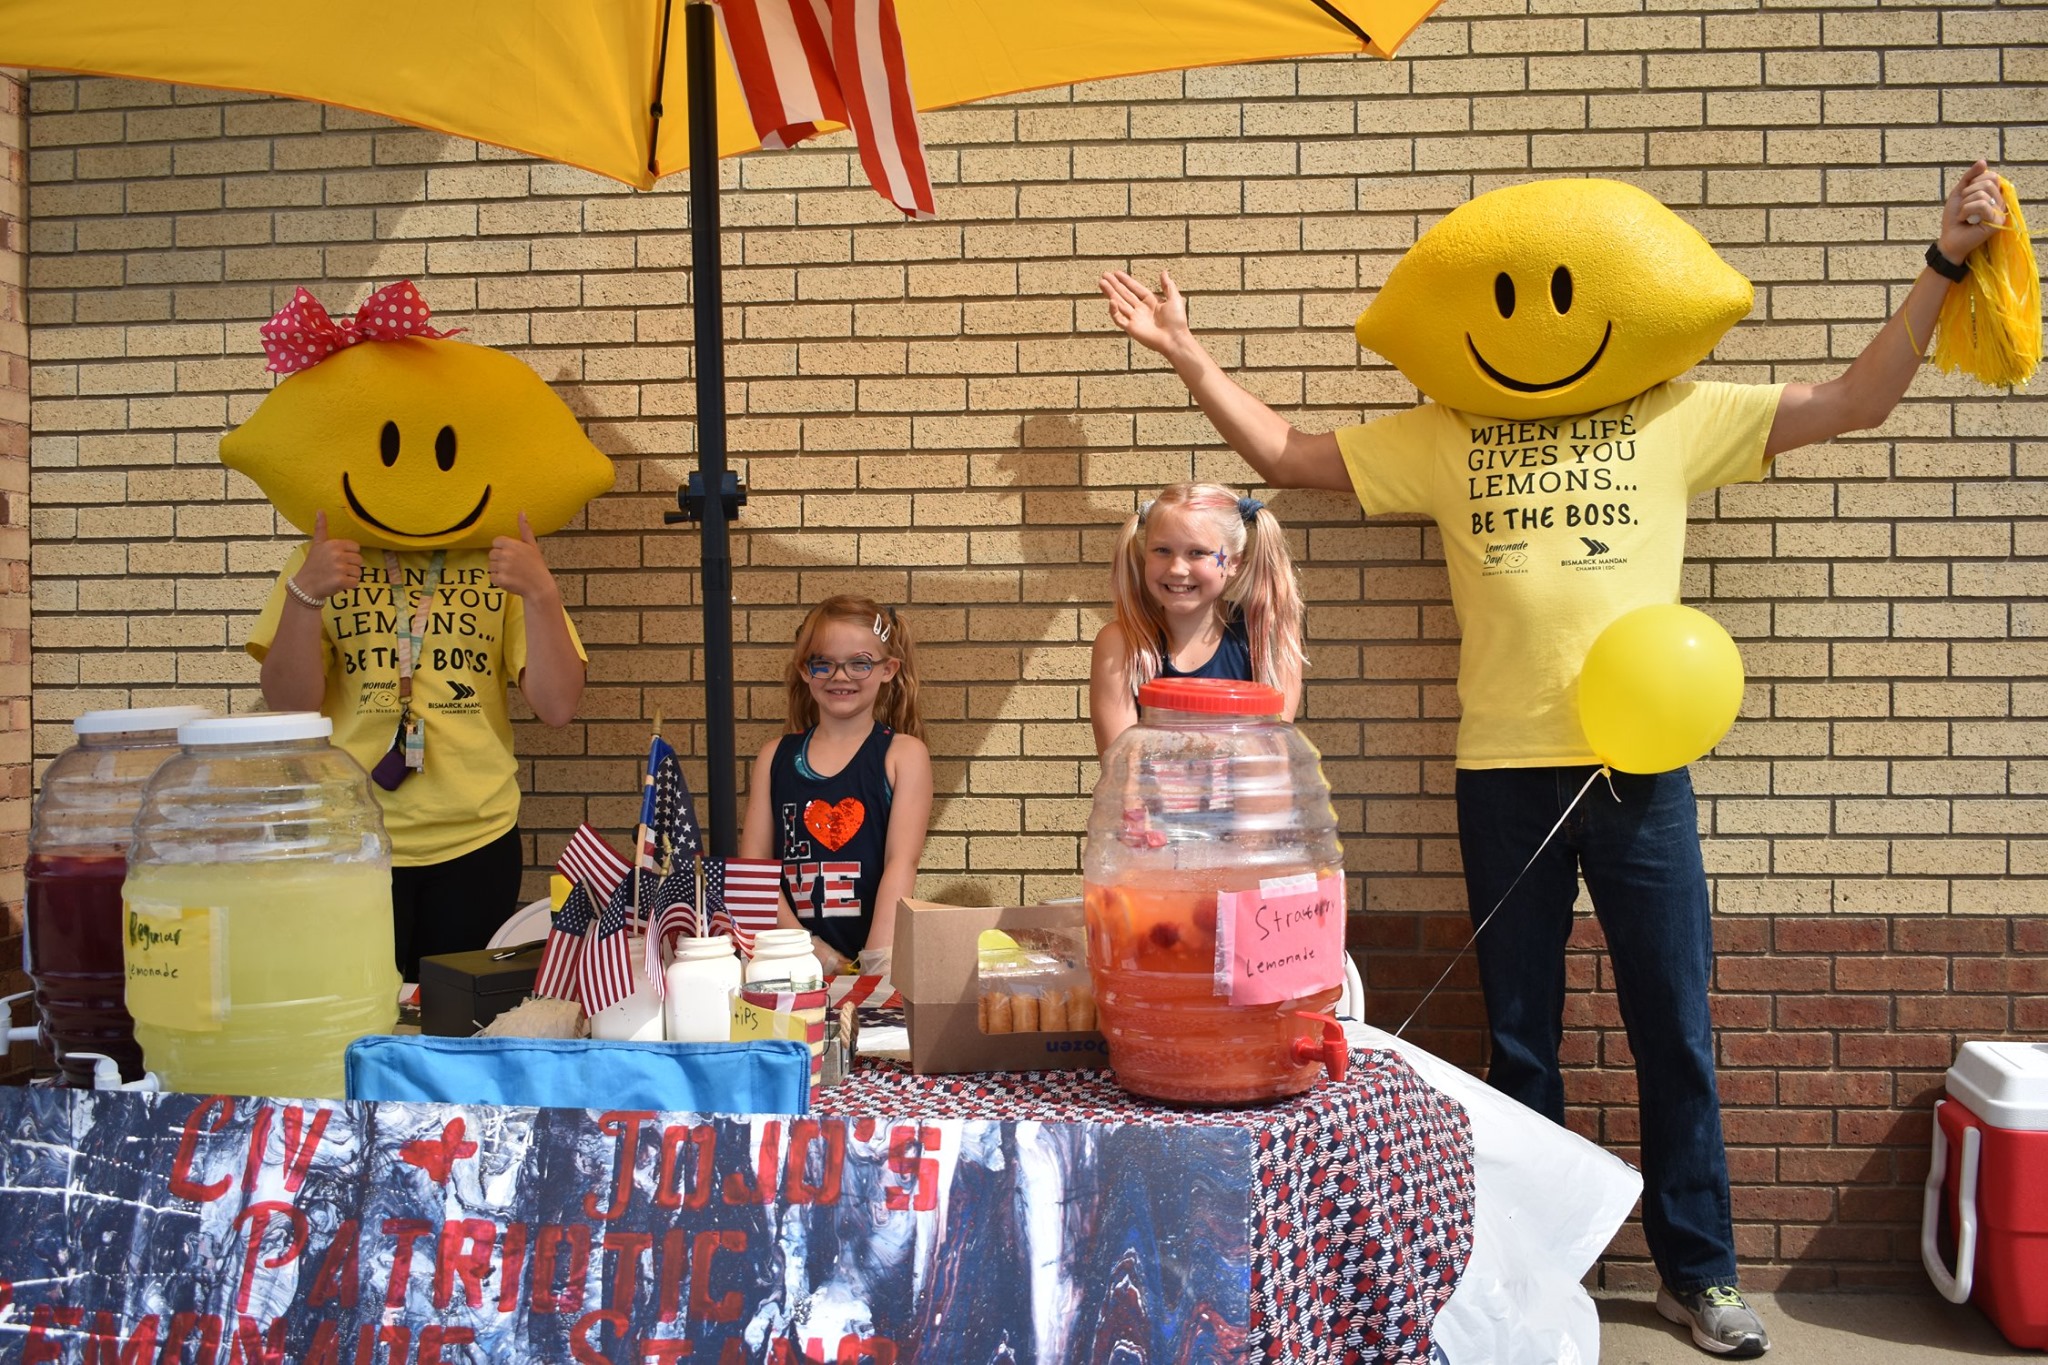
(106, 1073)
(9, 1036)
(1331, 1049)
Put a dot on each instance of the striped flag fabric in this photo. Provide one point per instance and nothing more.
(873, 990)
(605, 975)
(561, 960)
(588, 861)
(801, 62)
(743, 894)
(673, 912)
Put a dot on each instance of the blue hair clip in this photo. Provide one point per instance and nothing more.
(1248, 508)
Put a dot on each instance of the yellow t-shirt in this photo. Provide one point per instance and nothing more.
(467, 794)
(1552, 529)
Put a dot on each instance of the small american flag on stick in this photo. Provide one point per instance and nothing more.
(563, 955)
(743, 894)
(588, 861)
(606, 975)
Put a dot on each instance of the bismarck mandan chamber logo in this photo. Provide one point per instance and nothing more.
(1599, 555)
(465, 699)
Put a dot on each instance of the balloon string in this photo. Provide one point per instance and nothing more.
(1591, 778)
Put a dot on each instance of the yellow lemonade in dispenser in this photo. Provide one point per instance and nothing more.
(256, 1006)
(256, 916)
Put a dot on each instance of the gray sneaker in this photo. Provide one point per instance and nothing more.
(1721, 1321)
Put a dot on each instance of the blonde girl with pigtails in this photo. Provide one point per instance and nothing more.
(843, 799)
(1202, 586)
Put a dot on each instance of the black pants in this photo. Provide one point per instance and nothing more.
(454, 907)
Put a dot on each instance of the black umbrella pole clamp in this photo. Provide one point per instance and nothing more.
(691, 498)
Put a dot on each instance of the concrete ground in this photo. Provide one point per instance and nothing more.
(1816, 1329)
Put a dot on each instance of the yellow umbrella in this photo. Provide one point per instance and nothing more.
(574, 80)
(594, 83)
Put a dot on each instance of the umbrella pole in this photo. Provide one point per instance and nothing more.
(714, 497)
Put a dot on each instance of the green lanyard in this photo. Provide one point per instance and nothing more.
(410, 645)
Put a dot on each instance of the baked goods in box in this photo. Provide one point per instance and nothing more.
(1033, 981)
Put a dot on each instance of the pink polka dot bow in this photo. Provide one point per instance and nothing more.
(302, 333)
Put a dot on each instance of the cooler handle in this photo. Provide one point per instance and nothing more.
(1955, 1288)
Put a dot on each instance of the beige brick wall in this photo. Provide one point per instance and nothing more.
(14, 414)
(939, 414)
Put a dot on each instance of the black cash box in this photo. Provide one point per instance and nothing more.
(461, 992)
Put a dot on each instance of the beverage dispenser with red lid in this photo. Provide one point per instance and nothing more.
(1214, 891)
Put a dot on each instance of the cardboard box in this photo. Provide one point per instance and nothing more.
(461, 992)
(937, 966)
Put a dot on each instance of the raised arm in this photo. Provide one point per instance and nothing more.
(294, 672)
(1283, 456)
(1864, 395)
(552, 681)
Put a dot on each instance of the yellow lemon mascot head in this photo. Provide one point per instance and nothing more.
(1553, 298)
(408, 440)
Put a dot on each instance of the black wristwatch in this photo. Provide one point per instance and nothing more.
(1942, 265)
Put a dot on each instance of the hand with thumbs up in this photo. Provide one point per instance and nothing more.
(518, 567)
(331, 564)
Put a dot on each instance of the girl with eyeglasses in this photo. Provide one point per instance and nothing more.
(842, 799)
(1202, 586)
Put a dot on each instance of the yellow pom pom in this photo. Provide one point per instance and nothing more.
(1991, 326)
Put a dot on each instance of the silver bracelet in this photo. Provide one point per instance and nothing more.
(291, 585)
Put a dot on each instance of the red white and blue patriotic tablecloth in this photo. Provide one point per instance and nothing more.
(1362, 1195)
(1032, 1217)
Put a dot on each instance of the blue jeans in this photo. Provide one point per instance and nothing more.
(1640, 857)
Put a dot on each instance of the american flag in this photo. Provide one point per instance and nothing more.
(742, 894)
(802, 62)
(674, 912)
(606, 972)
(589, 861)
(563, 955)
(668, 815)
(669, 843)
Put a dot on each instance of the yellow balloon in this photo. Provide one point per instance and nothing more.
(1659, 688)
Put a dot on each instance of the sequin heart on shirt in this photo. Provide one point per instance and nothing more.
(834, 825)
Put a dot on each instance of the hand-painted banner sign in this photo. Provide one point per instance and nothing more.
(158, 1229)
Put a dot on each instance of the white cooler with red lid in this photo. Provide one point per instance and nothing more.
(1987, 1188)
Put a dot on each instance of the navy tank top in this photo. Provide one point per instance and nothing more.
(1232, 659)
(829, 834)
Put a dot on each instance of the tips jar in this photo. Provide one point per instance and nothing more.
(1214, 892)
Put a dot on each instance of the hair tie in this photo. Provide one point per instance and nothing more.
(1249, 507)
(1144, 510)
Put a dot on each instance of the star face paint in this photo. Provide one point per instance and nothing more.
(419, 445)
(1553, 298)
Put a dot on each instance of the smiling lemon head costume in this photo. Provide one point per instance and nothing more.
(1547, 324)
(1558, 297)
(424, 452)
(407, 440)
